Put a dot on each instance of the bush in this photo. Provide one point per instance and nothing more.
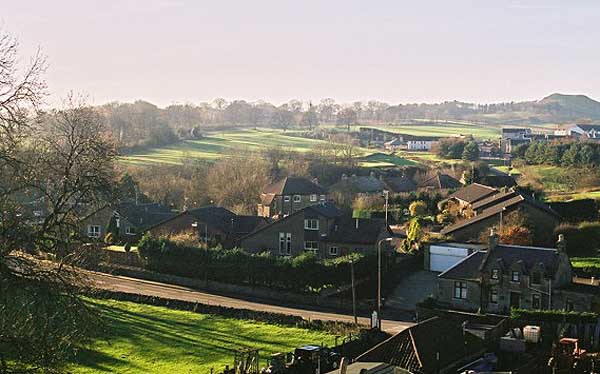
(577, 210)
(552, 316)
(582, 239)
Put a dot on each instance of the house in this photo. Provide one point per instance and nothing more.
(420, 143)
(506, 276)
(395, 144)
(589, 131)
(289, 195)
(466, 196)
(211, 224)
(516, 133)
(350, 187)
(436, 345)
(492, 212)
(401, 185)
(127, 219)
(322, 229)
(441, 183)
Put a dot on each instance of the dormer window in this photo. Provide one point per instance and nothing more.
(495, 273)
(515, 276)
(313, 198)
(297, 198)
(286, 199)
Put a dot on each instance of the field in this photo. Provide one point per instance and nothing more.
(149, 339)
(228, 143)
(480, 131)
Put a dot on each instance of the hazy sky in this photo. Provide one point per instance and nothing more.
(396, 51)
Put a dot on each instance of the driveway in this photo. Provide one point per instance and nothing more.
(412, 289)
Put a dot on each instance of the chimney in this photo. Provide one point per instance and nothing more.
(492, 240)
(561, 244)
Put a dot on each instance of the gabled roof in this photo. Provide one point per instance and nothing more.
(494, 199)
(513, 130)
(358, 184)
(433, 344)
(496, 209)
(506, 255)
(400, 184)
(293, 186)
(467, 268)
(589, 127)
(247, 224)
(441, 181)
(356, 230)
(143, 215)
(473, 193)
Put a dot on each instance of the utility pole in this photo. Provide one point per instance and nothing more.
(353, 292)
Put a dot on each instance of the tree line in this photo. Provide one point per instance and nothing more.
(567, 154)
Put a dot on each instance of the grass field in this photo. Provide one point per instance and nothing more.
(443, 129)
(226, 144)
(149, 339)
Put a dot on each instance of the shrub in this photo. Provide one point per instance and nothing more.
(582, 239)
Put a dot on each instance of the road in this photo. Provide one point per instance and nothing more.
(150, 288)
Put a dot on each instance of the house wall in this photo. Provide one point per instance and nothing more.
(281, 207)
(445, 294)
(100, 218)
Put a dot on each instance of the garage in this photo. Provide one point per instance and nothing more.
(443, 256)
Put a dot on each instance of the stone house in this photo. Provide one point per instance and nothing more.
(128, 219)
(322, 229)
(440, 183)
(289, 195)
(211, 224)
(505, 277)
(493, 211)
(460, 203)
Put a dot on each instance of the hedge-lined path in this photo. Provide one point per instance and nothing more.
(150, 288)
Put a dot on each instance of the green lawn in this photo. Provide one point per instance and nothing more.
(150, 339)
(382, 159)
(480, 131)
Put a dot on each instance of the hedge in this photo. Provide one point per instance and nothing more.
(576, 211)
(305, 273)
(553, 316)
(582, 239)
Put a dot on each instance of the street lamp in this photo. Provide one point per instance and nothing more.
(379, 275)
(386, 194)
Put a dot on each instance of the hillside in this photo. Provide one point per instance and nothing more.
(571, 105)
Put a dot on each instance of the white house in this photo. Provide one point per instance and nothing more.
(420, 143)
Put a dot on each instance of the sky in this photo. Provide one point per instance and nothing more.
(397, 51)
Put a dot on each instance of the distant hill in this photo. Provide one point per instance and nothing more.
(571, 105)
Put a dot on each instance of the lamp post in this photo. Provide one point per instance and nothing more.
(386, 194)
(379, 276)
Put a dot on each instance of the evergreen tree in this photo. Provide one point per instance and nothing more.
(471, 152)
(571, 156)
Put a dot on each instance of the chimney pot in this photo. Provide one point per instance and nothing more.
(561, 244)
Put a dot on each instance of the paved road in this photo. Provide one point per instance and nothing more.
(412, 289)
(149, 288)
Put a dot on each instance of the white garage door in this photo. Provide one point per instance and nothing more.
(442, 258)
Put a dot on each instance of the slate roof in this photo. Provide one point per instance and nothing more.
(473, 192)
(467, 268)
(247, 224)
(417, 348)
(496, 209)
(442, 182)
(400, 184)
(358, 184)
(293, 186)
(327, 210)
(345, 230)
(506, 255)
(144, 215)
(589, 127)
(498, 181)
(516, 130)
(494, 199)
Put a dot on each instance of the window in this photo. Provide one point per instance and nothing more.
(494, 296)
(536, 301)
(286, 198)
(94, 231)
(297, 198)
(460, 290)
(311, 224)
(130, 230)
(322, 197)
(311, 245)
(285, 243)
(495, 273)
(313, 198)
(515, 276)
(536, 278)
(333, 251)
